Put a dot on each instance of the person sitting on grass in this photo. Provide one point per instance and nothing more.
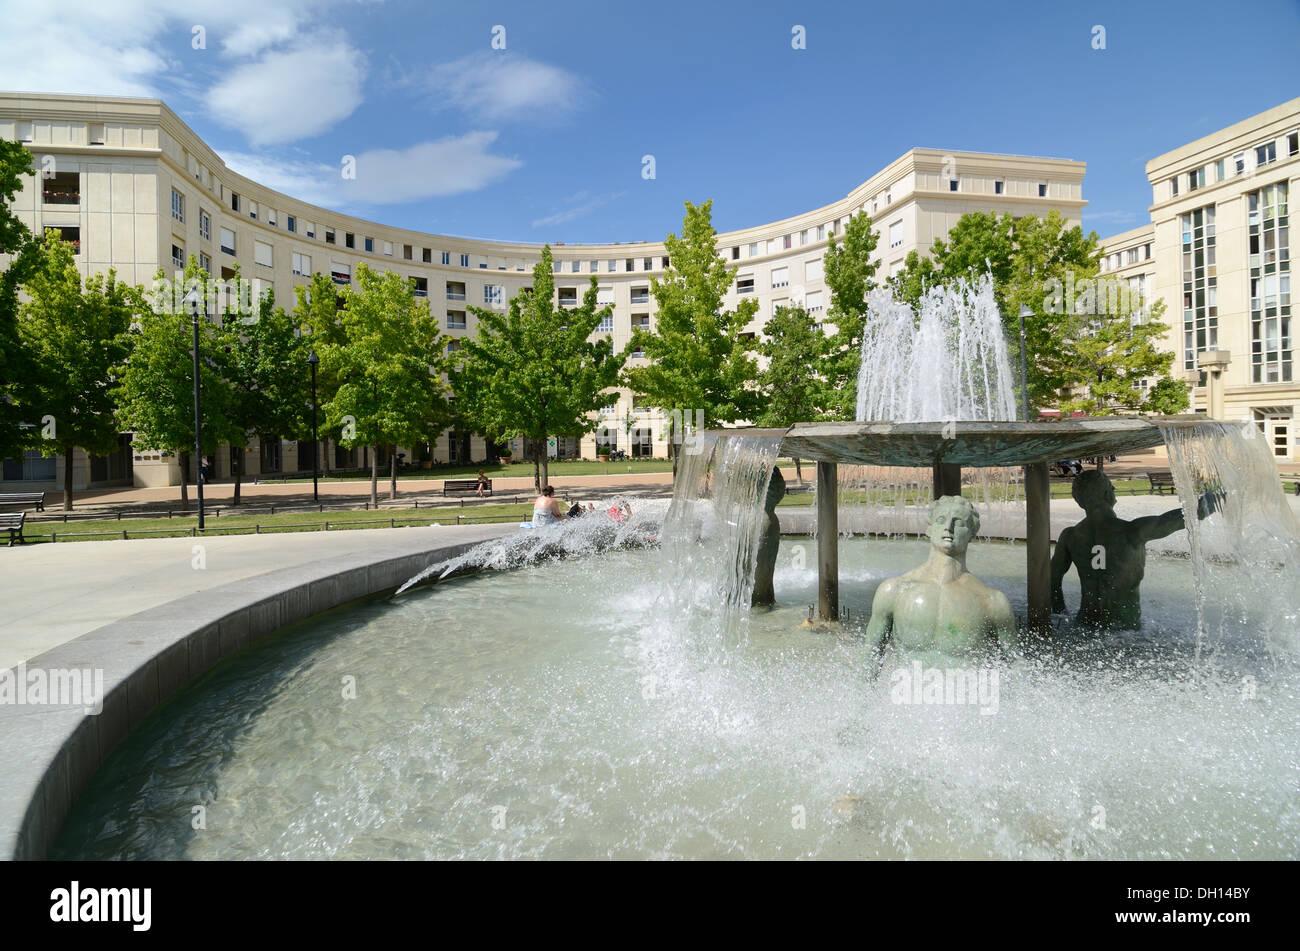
(546, 508)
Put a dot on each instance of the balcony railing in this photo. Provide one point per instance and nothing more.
(52, 197)
(640, 298)
(452, 295)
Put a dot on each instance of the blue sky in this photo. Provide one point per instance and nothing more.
(543, 141)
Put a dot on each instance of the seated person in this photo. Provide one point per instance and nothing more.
(546, 508)
(940, 605)
(620, 511)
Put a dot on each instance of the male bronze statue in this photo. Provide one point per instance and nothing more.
(940, 605)
(1110, 553)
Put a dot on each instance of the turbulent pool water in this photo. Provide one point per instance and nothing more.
(539, 713)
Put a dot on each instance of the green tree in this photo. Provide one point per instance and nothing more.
(1070, 344)
(73, 338)
(386, 357)
(850, 275)
(268, 376)
(155, 386)
(535, 371)
(23, 251)
(794, 387)
(700, 361)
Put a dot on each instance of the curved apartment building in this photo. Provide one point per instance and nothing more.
(138, 190)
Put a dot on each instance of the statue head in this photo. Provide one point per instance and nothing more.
(1092, 490)
(953, 523)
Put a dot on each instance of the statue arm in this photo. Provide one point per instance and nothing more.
(1060, 565)
(1158, 526)
(881, 624)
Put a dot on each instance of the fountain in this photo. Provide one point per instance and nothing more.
(633, 704)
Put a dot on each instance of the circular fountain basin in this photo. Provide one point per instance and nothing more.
(553, 712)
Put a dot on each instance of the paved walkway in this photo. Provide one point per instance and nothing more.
(50, 594)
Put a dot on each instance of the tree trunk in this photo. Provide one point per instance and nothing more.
(185, 481)
(374, 476)
(238, 474)
(67, 479)
(537, 473)
(545, 466)
(392, 477)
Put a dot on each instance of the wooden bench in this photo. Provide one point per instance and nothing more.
(23, 500)
(1160, 480)
(465, 487)
(13, 523)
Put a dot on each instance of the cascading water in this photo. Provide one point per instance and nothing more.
(947, 360)
(1246, 556)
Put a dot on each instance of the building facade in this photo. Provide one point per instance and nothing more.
(137, 190)
(1218, 251)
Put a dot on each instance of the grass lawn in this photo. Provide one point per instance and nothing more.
(109, 529)
(515, 469)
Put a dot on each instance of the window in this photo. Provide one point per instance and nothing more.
(641, 322)
(96, 133)
(998, 187)
(227, 241)
(1042, 189)
(205, 262)
(252, 210)
(421, 286)
(745, 285)
(270, 217)
(367, 243)
(665, 262)
(595, 267)
(1239, 163)
(629, 264)
(455, 320)
(234, 201)
(753, 250)
(1293, 143)
(455, 290)
(301, 263)
(568, 296)
(896, 234)
(780, 276)
(341, 273)
(178, 256)
(785, 242)
(821, 232)
(388, 248)
(611, 266)
(205, 225)
(1173, 187)
(952, 184)
(606, 325)
(178, 205)
(1219, 171)
(494, 294)
(453, 346)
(309, 229)
(640, 295)
(464, 260)
(1270, 285)
(1200, 285)
(1131, 256)
(329, 235)
(735, 252)
(575, 266)
(812, 301)
(812, 270)
(427, 255)
(262, 253)
(648, 264)
(291, 224)
(482, 262)
(1196, 179)
(1266, 153)
(349, 240)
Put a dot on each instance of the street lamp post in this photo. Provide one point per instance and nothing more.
(1024, 373)
(196, 303)
(313, 361)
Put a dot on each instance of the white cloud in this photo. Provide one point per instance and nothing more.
(447, 166)
(143, 48)
(293, 93)
(579, 205)
(498, 85)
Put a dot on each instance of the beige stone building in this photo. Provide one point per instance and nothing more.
(1217, 250)
(137, 190)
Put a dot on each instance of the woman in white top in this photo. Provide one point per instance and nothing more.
(546, 508)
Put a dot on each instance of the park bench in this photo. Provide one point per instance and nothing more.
(1160, 480)
(23, 500)
(13, 523)
(465, 487)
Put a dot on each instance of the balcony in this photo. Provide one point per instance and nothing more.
(455, 291)
(63, 188)
(640, 296)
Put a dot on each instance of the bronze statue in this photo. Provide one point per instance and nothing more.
(765, 564)
(940, 605)
(1110, 553)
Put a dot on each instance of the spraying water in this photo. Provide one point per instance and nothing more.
(946, 362)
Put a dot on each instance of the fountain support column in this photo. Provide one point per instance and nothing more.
(828, 542)
(1038, 546)
(947, 479)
